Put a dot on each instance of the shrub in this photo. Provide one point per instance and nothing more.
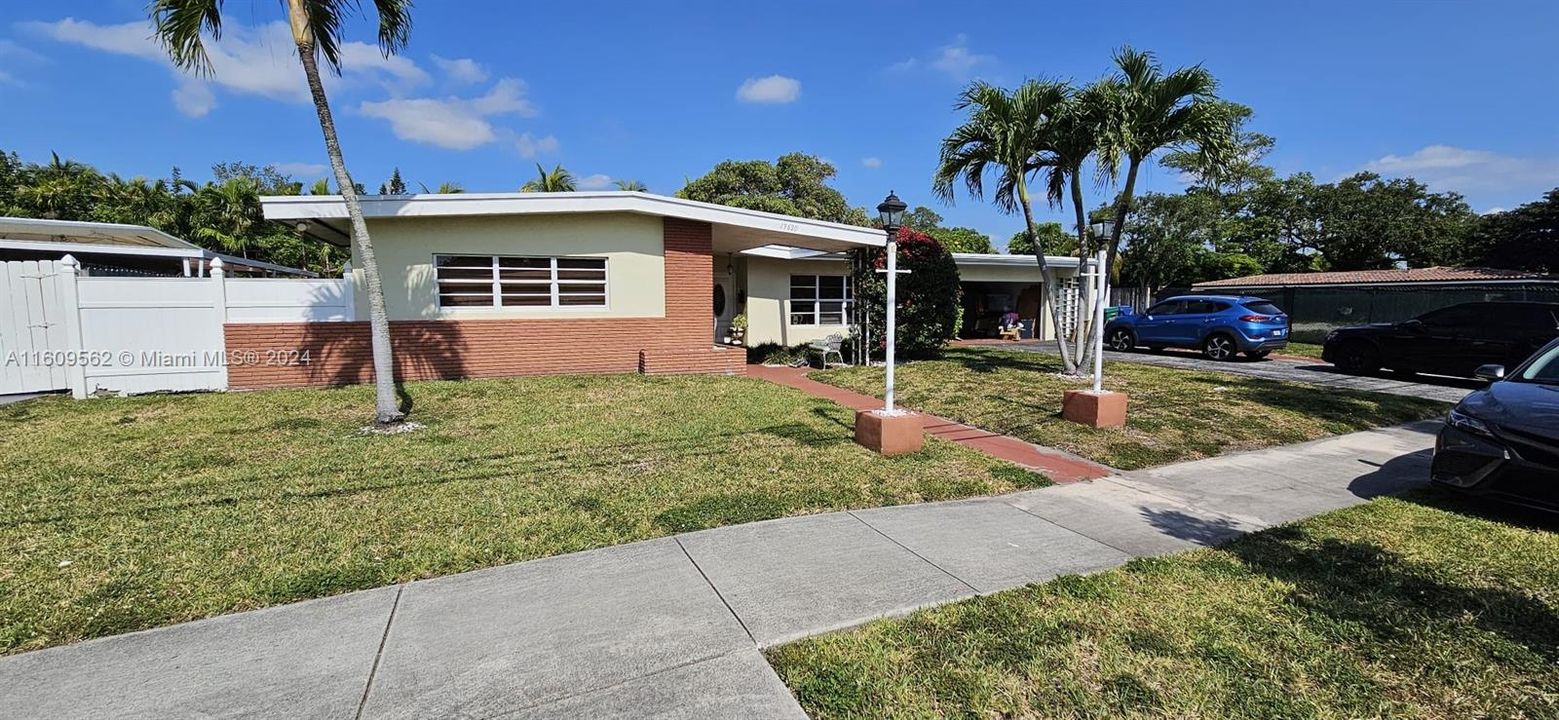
(929, 295)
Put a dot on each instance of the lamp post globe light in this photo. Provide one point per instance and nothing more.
(889, 430)
(891, 213)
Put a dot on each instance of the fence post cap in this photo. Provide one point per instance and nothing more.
(217, 264)
(70, 261)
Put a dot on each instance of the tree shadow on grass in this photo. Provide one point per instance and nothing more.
(1389, 598)
(988, 362)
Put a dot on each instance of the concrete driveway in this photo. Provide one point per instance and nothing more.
(1313, 372)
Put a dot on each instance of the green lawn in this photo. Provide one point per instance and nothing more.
(120, 514)
(1393, 609)
(1309, 350)
(1173, 414)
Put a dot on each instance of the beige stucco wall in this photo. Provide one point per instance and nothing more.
(633, 245)
(768, 300)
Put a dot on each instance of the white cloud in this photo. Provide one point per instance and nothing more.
(10, 49)
(904, 65)
(872, 162)
(530, 147)
(452, 122)
(461, 70)
(956, 61)
(1463, 170)
(594, 182)
(193, 98)
(774, 89)
(1493, 210)
(302, 169)
(258, 60)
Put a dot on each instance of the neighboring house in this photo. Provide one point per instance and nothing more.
(484, 285)
(120, 250)
(1319, 301)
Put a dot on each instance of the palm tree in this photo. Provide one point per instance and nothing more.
(1149, 111)
(1074, 137)
(445, 188)
(228, 214)
(320, 187)
(631, 185)
(1008, 135)
(555, 180)
(316, 30)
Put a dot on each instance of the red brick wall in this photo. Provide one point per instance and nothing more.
(680, 342)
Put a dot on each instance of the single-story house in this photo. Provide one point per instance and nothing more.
(1316, 302)
(482, 285)
(121, 250)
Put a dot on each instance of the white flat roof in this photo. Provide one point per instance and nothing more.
(744, 229)
(991, 260)
(96, 233)
(81, 237)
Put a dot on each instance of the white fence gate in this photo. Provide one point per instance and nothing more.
(32, 324)
(127, 335)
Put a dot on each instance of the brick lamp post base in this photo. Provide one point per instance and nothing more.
(1100, 410)
(896, 434)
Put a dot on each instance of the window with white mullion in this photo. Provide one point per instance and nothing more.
(820, 299)
(521, 281)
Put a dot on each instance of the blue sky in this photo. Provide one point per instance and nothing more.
(1463, 95)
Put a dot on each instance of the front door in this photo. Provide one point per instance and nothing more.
(724, 307)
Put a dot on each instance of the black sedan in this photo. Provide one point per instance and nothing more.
(1453, 340)
(1504, 440)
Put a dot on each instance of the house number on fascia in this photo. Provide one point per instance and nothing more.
(789, 227)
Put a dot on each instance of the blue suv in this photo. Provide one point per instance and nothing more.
(1218, 325)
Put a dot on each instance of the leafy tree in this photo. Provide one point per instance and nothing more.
(181, 26)
(631, 185)
(929, 294)
(1526, 238)
(1053, 240)
(922, 218)
(1148, 111)
(555, 180)
(1365, 222)
(963, 240)
(796, 184)
(1004, 135)
(320, 187)
(267, 179)
(1165, 235)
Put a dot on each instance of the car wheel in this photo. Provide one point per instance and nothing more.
(1122, 340)
(1258, 354)
(1219, 346)
(1357, 358)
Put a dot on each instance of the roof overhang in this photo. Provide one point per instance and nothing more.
(55, 232)
(1020, 261)
(735, 229)
(70, 237)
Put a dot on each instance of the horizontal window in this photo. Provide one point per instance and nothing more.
(820, 299)
(495, 281)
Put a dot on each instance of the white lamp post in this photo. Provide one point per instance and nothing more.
(891, 212)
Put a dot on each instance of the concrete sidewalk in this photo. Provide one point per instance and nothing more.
(672, 628)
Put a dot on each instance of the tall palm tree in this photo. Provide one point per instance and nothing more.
(1006, 134)
(316, 30)
(555, 180)
(444, 188)
(229, 214)
(631, 185)
(1149, 111)
(1074, 137)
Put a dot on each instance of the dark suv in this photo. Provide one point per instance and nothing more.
(1453, 340)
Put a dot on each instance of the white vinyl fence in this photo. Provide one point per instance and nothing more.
(126, 335)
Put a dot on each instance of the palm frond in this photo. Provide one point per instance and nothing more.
(179, 26)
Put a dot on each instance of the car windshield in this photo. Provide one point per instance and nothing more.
(1263, 307)
(1544, 369)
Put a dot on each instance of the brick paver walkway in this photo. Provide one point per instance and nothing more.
(1057, 465)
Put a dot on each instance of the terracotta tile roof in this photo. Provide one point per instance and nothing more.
(1356, 277)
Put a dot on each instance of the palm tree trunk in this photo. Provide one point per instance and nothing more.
(1084, 317)
(1044, 273)
(386, 407)
(1122, 208)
